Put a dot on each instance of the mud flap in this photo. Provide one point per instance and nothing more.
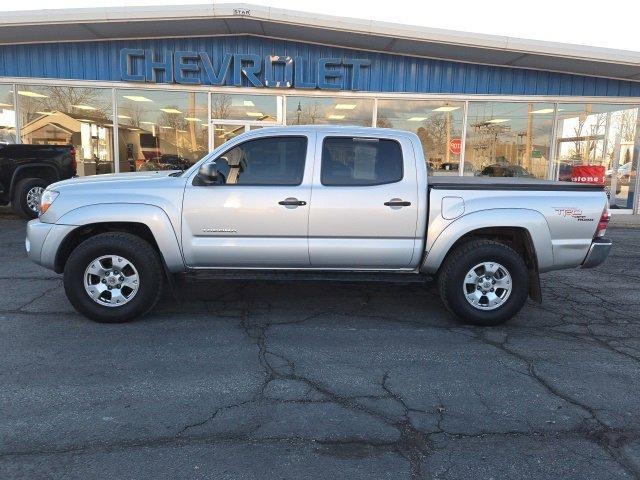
(535, 290)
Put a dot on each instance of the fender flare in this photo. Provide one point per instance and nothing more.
(150, 215)
(530, 220)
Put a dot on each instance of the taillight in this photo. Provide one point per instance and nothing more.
(74, 163)
(602, 224)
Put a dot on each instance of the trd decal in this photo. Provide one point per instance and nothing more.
(572, 212)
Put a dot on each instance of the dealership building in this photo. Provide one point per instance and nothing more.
(143, 88)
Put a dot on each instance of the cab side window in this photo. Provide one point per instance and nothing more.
(264, 161)
(353, 161)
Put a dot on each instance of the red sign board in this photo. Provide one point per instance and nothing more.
(588, 174)
(455, 144)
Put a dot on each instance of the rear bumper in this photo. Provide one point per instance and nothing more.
(598, 252)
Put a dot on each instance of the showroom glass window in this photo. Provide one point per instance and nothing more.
(509, 139)
(233, 114)
(329, 111)
(600, 135)
(262, 108)
(7, 115)
(437, 124)
(161, 130)
(78, 116)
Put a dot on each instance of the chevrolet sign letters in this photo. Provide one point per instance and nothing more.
(271, 71)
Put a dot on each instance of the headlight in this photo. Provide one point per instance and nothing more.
(48, 197)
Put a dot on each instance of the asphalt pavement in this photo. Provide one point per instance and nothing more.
(293, 380)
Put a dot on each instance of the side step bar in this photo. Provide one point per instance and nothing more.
(297, 275)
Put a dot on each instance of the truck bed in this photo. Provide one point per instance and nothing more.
(508, 183)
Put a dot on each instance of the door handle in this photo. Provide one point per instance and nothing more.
(292, 202)
(396, 202)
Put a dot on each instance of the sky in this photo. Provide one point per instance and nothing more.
(611, 23)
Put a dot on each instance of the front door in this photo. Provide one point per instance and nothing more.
(256, 215)
(364, 206)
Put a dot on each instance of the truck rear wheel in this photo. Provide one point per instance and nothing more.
(113, 277)
(484, 282)
(26, 197)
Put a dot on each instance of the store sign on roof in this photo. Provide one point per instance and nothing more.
(275, 71)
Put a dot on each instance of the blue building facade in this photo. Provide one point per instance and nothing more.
(385, 72)
(132, 104)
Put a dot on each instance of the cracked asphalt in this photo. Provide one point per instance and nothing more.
(285, 380)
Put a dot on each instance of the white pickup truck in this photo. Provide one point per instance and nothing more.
(315, 202)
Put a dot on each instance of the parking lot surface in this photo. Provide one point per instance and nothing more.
(291, 380)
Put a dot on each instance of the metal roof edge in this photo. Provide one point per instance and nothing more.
(320, 21)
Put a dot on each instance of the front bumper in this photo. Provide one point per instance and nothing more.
(598, 252)
(36, 235)
(43, 240)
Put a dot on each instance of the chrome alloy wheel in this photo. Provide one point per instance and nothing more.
(33, 198)
(487, 286)
(111, 280)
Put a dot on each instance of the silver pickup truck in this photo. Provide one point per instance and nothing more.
(315, 202)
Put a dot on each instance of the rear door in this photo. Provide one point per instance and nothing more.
(364, 204)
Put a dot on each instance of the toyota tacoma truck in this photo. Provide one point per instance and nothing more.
(315, 202)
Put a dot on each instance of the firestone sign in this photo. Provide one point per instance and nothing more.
(275, 71)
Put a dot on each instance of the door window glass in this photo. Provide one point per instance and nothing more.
(360, 161)
(264, 161)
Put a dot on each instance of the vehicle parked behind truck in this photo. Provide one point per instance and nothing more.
(322, 202)
(26, 170)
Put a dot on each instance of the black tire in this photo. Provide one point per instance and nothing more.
(459, 262)
(19, 201)
(139, 252)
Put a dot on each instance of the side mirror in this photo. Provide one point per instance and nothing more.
(208, 173)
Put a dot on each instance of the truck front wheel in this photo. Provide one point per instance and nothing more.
(113, 277)
(483, 282)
